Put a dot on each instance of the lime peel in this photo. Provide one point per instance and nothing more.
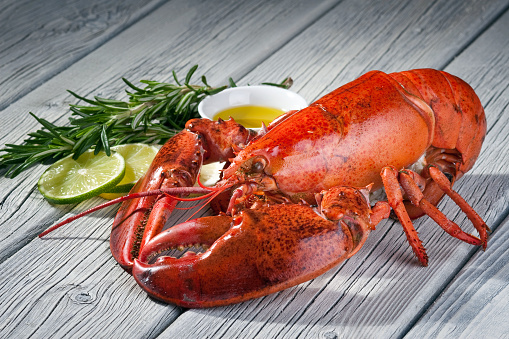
(138, 158)
(126, 188)
(70, 181)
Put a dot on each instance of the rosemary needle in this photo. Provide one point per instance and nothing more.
(151, 114)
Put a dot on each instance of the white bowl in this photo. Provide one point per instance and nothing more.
(262, 95)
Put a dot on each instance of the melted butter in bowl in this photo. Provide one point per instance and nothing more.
(251, 105)
(250, 116)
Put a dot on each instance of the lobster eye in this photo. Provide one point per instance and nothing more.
(258, 165)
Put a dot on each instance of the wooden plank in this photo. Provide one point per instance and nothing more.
(68, 285)
(70, 31)
(239, 313)
(475, 303)
(380, 290)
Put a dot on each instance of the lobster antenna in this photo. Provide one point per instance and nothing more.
(214, 194)
(199, 183)
(168, 191)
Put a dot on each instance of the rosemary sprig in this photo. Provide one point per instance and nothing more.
(151, 114)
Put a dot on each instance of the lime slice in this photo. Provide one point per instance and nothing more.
(138, 158)
(70, 181)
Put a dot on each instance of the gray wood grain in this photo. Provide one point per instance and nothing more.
(475, 303)
(381, 290)
(41, 38)
(69, 286)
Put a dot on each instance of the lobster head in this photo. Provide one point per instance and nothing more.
(281, 162)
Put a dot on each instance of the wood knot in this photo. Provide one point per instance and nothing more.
(79, 295)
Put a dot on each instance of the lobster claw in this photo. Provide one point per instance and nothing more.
(261, 251)
(177, 164)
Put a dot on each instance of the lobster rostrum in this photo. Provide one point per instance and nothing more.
(298, 191)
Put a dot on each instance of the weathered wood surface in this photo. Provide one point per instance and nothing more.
(41, 38)
(69, 286)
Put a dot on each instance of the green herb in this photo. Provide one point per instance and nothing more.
(152, 114)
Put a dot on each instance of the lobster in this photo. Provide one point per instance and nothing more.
(294, 198)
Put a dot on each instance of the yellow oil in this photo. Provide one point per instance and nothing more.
(250, 116)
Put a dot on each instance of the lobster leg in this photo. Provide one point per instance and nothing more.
(417, 198)
(445, 185)
(392, 181)
(395, 199)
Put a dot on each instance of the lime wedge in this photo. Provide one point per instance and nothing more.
(70, 181)
(209, 174)
(138, 158)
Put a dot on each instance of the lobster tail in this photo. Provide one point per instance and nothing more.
(460, 122)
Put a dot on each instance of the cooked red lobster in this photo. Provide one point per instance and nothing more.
(298, 192)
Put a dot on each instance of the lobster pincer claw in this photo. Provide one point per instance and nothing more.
(264, 251)
(176, 164)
